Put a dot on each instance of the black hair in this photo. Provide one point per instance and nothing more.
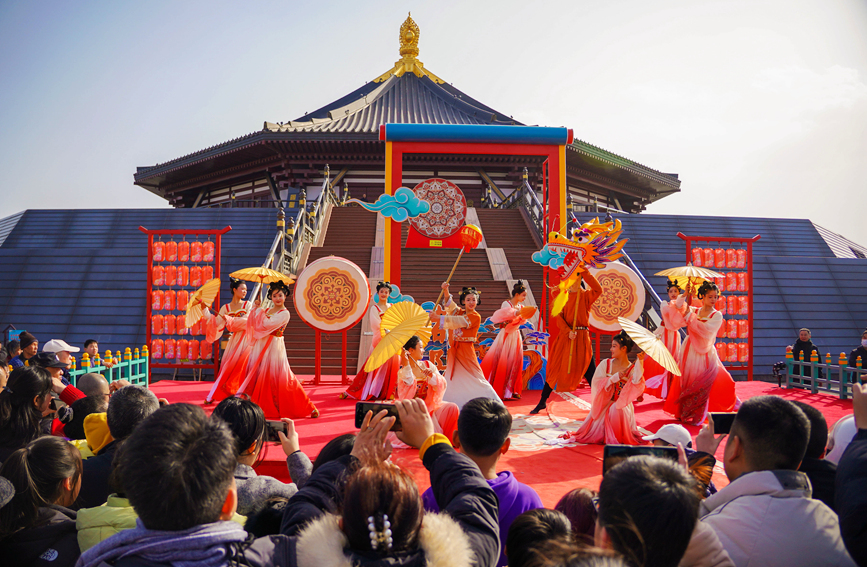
(518, 288)
(470, 291)
(671, 284)
(818, 431)
(246, 421)
(266, 521)
(774, 433)
(705, 288)
(279, 285)
(19, 417)
(37, 472)
(384, 285)
(128, 407)
(567, 554)
(177, 467)
(12, 346)
(483, 426)
(235, 283)
(413, 340)
(80, 409)
(577, 505)
(4, 356)
(338, 447)
(624, 340)
(89, 342)
(532, 530)
(649, 508)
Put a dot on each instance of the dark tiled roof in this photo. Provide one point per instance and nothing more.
(7, 224)
(842, 246)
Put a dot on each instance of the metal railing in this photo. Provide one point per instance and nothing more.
(823, 377)
(524, 196)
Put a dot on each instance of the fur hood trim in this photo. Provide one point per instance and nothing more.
(444, 543)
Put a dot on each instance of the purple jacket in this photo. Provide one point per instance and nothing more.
(515, 499)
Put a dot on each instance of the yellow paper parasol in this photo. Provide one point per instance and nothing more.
(262, 276)
(399, 323)
(650, 344)
(201, 298)
(689, 275)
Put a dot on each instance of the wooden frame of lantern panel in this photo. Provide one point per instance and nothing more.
(217, 234)
(550, 143)
(736, 243)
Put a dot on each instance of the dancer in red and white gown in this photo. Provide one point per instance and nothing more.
(657, 378)
(503, 364)
(380, 383)
(233, 364)
(421, 379)
(705, 385)
(616, 385)
(270, 382)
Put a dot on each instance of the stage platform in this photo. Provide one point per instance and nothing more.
(536, 457)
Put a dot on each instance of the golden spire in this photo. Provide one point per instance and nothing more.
(409, 34)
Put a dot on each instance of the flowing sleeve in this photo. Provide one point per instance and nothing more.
(634, 386)
(259, 325)
(703, 333)
(450, 322)
(436, 387)
(237, 324)
(213, 325)
(600, 390)
(672, 316)
(505, 314)
(406, 383)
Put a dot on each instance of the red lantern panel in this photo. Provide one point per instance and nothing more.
(721, 333)
(732, 330)
(196, 276)
(732, 352)
(207, 273)
(731, 258)
(158, 275)
(182, 325)
(157, 324)
(171, 251)
(720, 282)
(742, 282)
(743, 305)
(720, 304)
(157, 348)
(181, 348)
(732, 305)
(719, 257)
(743, 352)
(169, 299)
(183, 299)
(206, 349)
(196, 329)
(156, 300)
(697, 257)
(159, 251)
(208, 251)
(183, 251)
(170, 349)
(721, 350)
(170, 324)
(171, 275)
(196, 252)
(731, 281)
(743, 329)
(183, 275)
(193, 350)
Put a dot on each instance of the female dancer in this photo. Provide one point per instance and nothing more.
(270, 381)
(378, 384)
(616, 384)
(234, 362)
(503, 364)
(421, 379)
(463, 372)
(705, 384)
(658, 379)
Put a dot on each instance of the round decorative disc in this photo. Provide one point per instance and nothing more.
(448, 208)
(331, 294)
(622, 296)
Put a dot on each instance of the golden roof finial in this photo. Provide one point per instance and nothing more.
(409, 34)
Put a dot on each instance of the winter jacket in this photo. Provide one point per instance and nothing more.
(253, 490)
(822, 474)
(851, 497)
(705, 549)
(768, 518)
(94, 478)
(802, 350)
(856, 358)
(52, 543)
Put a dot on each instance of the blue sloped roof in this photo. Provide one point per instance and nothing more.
(81, 274)
(798, 280)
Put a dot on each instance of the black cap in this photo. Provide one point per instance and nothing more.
(47, 360)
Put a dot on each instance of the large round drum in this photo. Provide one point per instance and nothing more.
(331, 294)
(448, 208)
(622, 296)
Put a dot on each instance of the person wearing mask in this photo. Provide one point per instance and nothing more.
(858, 358)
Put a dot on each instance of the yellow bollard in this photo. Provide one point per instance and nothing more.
(127, 354)
(72, 363)
(85, 360)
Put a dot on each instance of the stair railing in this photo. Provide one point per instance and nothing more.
(307, 224)
(525, 197)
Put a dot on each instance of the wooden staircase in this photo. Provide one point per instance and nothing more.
(508, 230)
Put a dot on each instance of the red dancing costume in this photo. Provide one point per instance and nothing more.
(233, 365)
(380, 383)
(612, 416)
(503, 363)
(657, 378)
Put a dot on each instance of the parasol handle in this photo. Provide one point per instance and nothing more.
(448, 279)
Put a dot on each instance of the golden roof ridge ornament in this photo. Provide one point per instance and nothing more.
(409, 34)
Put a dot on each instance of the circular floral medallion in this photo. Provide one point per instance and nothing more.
(448, 208)
(622, 296)
(331, 294)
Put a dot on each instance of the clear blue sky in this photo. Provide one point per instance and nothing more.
(761, 107)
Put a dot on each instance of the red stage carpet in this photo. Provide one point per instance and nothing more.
(537, 457)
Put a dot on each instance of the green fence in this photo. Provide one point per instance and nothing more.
(132, 366)
(823, 377)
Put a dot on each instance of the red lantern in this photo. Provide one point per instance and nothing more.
(196, 276)
(721, 350)
(157, 348)
(742, 282)
(208, 251)
(719, 257)
(193, 350)
(732, 352)
(196, 251)
(720, 304)
(158, 275)
(731, 259)
(183, 275)
(181, 348)
(169, 299)
(170, 349)
(170, 324)
(731, 281)
(156, 300)
(171, 275)
(157, 324)
(159, 251)
(732, 331)
(732, 305)
(181, 325)
(207, 273)
(743, 352)
(742, 259)
(171, 251)
(743, 305)
(696, 257)
(184, 251)
(721, 333)
(471, 237)
(720, 282)
(196, 329)
(743, 329)
(205, 349)
(708, 258)
(183, 298)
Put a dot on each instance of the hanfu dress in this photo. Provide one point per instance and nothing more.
(414, 384)
(380, 383)
(503, 364)
(233, 364)
(270, 382)
(562, 375)
(464, 375)
(705, 384)
(612, 416)
(657, 378)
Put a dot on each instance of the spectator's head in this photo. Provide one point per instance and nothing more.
(670, 435)
(768, 433)
(267, 521)
(818, 431)
(804, 334)
(567, 554)
(13, 348)
(129, 407)
(177, 469)
(91, 347)
(839, 438)
(61, 348)
(29, 345)
(246, 421)
(4, 367)
(25, 398)
(338, 447)
(483, 429)
(377, 491)
(578, 506)
(47, 471)
(93, 384)
(534, 530)
(73, 416)
(864, 338)
(50, 362)
(648, 508)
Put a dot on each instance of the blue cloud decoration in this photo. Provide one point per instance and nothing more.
(548, 258)
(398, 207)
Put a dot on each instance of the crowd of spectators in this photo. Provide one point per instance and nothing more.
(120, 478)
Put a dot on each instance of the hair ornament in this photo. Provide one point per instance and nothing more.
(380, 537)
(671, 284)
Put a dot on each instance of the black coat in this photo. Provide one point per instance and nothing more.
(94, 478)
(853, 361)
(802, 350)
(52, 543)
(823, 475)
(851, 498)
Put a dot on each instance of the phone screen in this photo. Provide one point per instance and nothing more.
(722, 422)
(613, 454)
(271, 429)
(361, 409)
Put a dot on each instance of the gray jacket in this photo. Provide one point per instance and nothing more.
(253, 489)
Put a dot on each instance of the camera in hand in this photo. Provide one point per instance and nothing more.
(613, 454)
(722, 422)
(271, 429)
(361, 409)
